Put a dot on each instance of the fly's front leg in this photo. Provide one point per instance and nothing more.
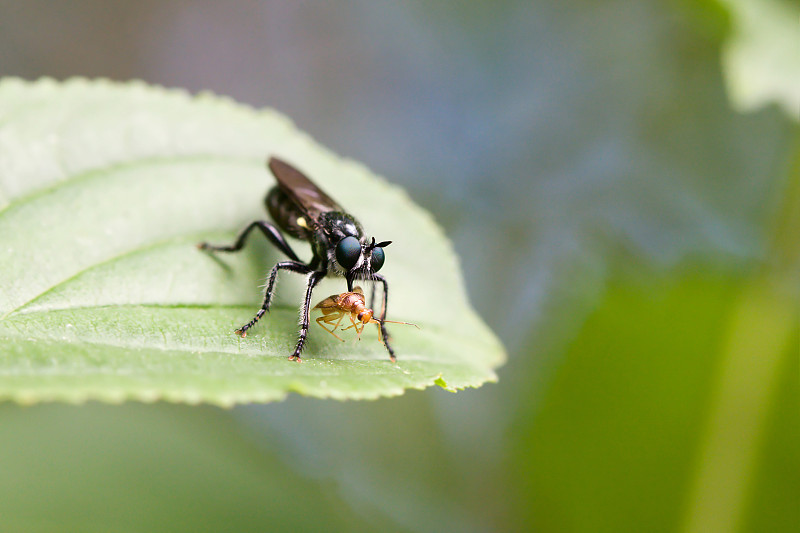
(372, 296)
(313, 278)
(292, 266)
(272, 234)
(385, 301)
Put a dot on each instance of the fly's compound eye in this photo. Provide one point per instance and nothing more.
(378, 257)
(347, 252)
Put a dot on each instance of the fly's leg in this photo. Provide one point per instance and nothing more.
(272, 234)
(384, 333)
(313, 278)
(292, 266)
(372, 296)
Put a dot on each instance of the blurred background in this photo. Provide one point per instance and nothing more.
(626, 224)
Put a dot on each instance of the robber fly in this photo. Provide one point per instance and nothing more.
(338, 244)
(335, 307)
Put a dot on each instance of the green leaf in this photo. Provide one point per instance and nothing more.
(658, 412)
(106, 188)
(761, 59)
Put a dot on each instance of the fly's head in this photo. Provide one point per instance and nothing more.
(359, 260)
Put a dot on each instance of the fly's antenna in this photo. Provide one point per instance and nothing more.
(381, 244)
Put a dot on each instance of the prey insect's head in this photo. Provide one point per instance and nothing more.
(360, 259)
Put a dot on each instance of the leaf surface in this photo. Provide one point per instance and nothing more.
(761, 59)
(105, 189)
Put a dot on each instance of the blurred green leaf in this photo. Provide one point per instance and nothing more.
(656, 418)
(154, 468)
(775, 488)
(762, 57)
(105, 189)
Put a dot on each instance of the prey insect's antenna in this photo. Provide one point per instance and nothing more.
(372, 321)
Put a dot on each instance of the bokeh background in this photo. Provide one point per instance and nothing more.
(627, 230)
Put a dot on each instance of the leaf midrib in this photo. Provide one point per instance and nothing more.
(100, 173)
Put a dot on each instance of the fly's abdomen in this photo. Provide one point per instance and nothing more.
(286, 215)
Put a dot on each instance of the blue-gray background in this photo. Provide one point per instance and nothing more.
(587, 163)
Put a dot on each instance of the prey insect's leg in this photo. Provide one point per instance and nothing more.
(313, 278)
(354, 324)
(292, 266)
(270, 232)
(382, 319)
(328, 319)
(359, 329)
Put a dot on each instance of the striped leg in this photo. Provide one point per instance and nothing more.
(314, 277)
(382, 318)
(272, 234)
(292, 266)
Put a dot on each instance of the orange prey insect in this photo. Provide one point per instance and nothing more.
(336, 306)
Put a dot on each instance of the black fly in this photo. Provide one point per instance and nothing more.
(338, 243)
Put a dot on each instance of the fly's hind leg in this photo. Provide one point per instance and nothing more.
(272, 234)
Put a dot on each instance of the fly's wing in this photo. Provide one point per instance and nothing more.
(310, 199)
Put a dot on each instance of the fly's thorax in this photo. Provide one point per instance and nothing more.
(338, 225)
